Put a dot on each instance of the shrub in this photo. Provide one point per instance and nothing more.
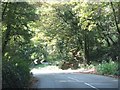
(109, 68)
(15, 74)
(63, 65)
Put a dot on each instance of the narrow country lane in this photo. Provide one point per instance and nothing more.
(74, 81)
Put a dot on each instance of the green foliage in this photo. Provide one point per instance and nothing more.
(16, 45)
(108, 68)
(76, 32)
(16, 71)
(82, 31)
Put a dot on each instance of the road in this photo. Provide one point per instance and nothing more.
(74, 81)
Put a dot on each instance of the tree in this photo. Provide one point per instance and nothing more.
(16, 18)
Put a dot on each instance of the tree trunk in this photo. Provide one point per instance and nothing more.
(115, 18)
(7, 38)
(86, 48)
(4, 9)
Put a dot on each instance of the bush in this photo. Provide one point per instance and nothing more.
(63, 65)
(15, 74)
(109, 68)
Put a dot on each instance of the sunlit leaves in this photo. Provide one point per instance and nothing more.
(17, 47)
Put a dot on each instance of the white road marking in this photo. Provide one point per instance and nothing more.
(84, 83)
(91, 86)
(74, 79)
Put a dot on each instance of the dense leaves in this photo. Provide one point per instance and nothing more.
(16, 43)
(84, 32)
(73, 33)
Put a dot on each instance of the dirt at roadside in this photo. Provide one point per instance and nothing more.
(32, 81)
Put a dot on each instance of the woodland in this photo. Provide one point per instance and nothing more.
(70, 32)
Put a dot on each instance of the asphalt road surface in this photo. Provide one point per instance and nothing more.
(74, 81)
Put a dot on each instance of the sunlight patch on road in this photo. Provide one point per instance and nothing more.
(53, 69)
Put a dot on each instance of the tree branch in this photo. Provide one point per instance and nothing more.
(116, 23)
(3, 13)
